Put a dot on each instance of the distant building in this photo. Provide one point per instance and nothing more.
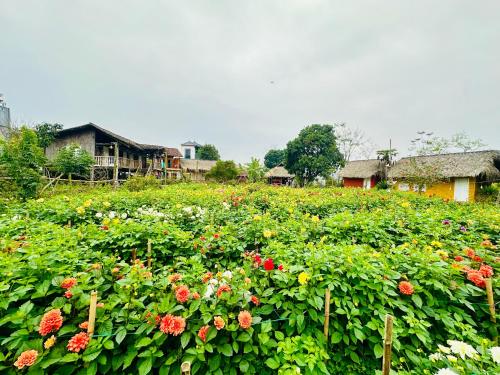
(195, 169)
(188, 149)
(279, 176)
(463, 173)
(362, 173)
(4, 117)
(133, 158)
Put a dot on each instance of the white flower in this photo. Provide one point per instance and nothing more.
(446, 371)
(297, 370)
(226, 205)
(451, 358)
(98, 215)
(444, 349)
(213, 281)
(210, 290)
(228, 275)
(436, 357)
(112, 214)
(188, 210)
(495, 354)
(462, 349)
(124, 216)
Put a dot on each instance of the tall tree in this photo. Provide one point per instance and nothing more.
(73, 160)
(350, 141)
(313, 153)
(255, 170)
(464, 143)
(207, 152)
(22, 159)
(425, 143)
(46, 133)
(274, 158)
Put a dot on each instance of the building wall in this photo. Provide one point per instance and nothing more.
(193, 152)
(445, 190)
(86, 140)
(353, 182)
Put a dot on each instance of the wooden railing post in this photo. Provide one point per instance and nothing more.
(149, 253)
(186, 368)
(386, 362)
(92, 313)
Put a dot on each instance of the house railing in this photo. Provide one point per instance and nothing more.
(109, 161)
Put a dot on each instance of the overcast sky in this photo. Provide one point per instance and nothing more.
(248, 75)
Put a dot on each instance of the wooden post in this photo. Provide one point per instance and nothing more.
(491, 303)
(386, 362)
(149, 253)
(327, 314)
(115, 165)
(134, 255)
(92, 313)
(186, 368)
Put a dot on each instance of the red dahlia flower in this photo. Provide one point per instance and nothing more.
(476, 277)
(68, 283)
(255, 300)
(486, 271)
(459, 258)
(182, 293)
(202, 333)
(269, 264)
(223, 288)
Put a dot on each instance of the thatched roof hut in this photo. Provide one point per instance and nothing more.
(484, 165)
(279, 172)
(362, 169)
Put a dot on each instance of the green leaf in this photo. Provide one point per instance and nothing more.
(145, 341)
(336, 337)
(417, 300)
(185, 339)
(244, 366)
(144, 366)
(272, 363)
(378, 350)
(120, 335)
(226, 349)
(214, 362)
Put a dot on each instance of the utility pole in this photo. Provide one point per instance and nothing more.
(115, 165)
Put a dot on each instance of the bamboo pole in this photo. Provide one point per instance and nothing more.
(134, 255)
(386, 362)
(92, 313)
(186, 368)
(327, 314)
(149, 252)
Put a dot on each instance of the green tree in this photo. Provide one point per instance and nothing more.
(255, 170)
(46, 133)
(223, 171)
(73, 160)
(274, 158)
(22, 159)
(207, 152)
(313, 153)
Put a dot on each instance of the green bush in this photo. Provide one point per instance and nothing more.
(138, 183)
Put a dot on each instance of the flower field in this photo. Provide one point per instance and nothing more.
(234, 282)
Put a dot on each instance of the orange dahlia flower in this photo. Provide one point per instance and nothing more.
(68, 283)
(171, 324)
(405, 287)
(486, 271)
(84, 325)
(78, 342)
(51, 322)
(223, 288)
(174, 278)
(27, 358)
(245, 319)
(219, 323)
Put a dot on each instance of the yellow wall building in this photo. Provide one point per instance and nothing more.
(462, 174)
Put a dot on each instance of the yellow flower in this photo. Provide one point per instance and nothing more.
(40, 200)
(290, 210)
(50, 342)
(303, 278)
(80, 210)
(405, 245)
(443, 254)
(267, 233)
(405, 204)
(106, 221)
(257, 218)
(315, 219)
(349, 259)
(115, 221)
(436, 244)
(87, 203)
(414, 241)
(106, 204)
(376, 254)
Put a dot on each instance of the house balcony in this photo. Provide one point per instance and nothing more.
(109, 161)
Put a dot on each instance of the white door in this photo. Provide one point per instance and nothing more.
(367, 182)
(461, 189)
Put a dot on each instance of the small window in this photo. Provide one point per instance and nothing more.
(423, 188)
(403, 187)
(187, 153)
